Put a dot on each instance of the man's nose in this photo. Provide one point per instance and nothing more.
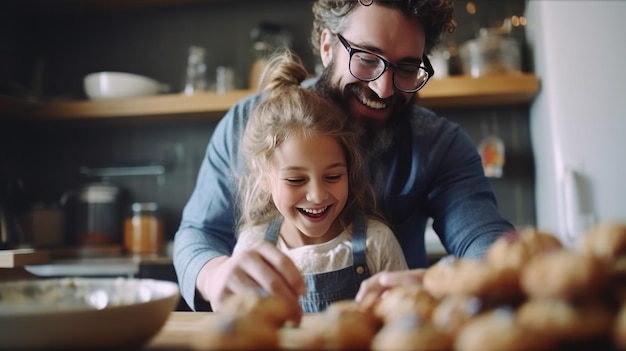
(383, 85)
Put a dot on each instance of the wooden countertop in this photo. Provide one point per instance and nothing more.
(180, 327)
(20, 257)
(112, 265)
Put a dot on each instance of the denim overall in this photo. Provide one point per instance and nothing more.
(325, 288)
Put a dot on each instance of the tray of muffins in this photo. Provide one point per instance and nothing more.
(530, 292)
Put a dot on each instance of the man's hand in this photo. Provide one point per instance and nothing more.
(375, 286)
(262, 267)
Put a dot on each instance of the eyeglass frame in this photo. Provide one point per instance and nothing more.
(425, 64)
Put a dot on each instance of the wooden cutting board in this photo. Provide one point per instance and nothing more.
(20, 257)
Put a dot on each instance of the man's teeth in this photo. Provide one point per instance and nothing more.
(373, 104)
(313, 211)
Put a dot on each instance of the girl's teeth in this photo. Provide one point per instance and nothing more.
(312, 211)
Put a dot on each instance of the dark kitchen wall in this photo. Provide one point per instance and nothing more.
(515, 190)
(47, 53)
(152, 40)
(56, 48)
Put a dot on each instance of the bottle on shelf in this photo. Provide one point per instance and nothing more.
(196, 74)
(143, 229)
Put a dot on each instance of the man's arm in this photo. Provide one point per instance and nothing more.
(462, 201)
(207, 226)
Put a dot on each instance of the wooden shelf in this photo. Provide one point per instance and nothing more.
(155, 105)
(496, 90)
(452, 92)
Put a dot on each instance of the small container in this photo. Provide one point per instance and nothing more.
(44, 225)
(196, 74)
(491, 53)
(94, 215)
(143, 229)
(224, 79)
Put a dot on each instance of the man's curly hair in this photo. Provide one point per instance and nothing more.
(434, 15)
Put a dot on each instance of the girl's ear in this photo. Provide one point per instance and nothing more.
(326, 47)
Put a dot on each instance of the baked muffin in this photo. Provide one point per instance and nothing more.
(606, 240)
(493, 285)
(586, 325)
(231, 332)
(439, 278)
(498, 330)
(565, 274)
(617, 282)
(454, 311)
(514, 250)
(409, 333)
(619, 328)
(406, 299)
(267, 308)
(351, 306)
(344, 326)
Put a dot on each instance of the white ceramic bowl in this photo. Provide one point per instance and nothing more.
(83, 313)
(117, 85)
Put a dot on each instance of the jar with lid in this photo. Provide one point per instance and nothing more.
(196, 78)
(492, 52)
(94, 214)
(143, 229)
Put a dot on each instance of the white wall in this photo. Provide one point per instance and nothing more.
(578, 120)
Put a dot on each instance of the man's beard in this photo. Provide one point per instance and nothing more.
(374, 139)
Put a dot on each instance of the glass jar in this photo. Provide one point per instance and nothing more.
(492, 52)
(196, 75)
(143, 229)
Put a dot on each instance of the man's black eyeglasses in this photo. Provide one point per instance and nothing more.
(368, 66)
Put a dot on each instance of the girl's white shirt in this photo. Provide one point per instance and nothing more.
(383, 251)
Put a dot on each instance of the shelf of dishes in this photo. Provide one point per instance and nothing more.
(446, 93)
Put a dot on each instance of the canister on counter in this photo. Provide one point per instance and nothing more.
(143, 229)
(44, 225)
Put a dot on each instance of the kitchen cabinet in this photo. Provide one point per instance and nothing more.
(450, 92)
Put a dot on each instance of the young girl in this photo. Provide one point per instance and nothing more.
(306, 190)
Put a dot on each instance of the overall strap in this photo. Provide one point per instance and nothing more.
(359, 236)
(272, 231)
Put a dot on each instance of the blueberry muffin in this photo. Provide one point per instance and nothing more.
(498, 330)
(409, 333)
(491, 284)
(406, 299)
(606, 240)
(574, 326)
(565, 274)
(454, 311)
(514, 250)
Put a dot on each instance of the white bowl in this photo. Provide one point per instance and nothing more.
(83, 313)
(116, 85)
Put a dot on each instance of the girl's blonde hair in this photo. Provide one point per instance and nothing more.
(292, 111)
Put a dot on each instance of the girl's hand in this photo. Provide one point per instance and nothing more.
(262, 267)
(375, 286)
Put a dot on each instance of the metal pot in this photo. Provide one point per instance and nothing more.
(11, 234)
(94, 215)
(10, 230)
